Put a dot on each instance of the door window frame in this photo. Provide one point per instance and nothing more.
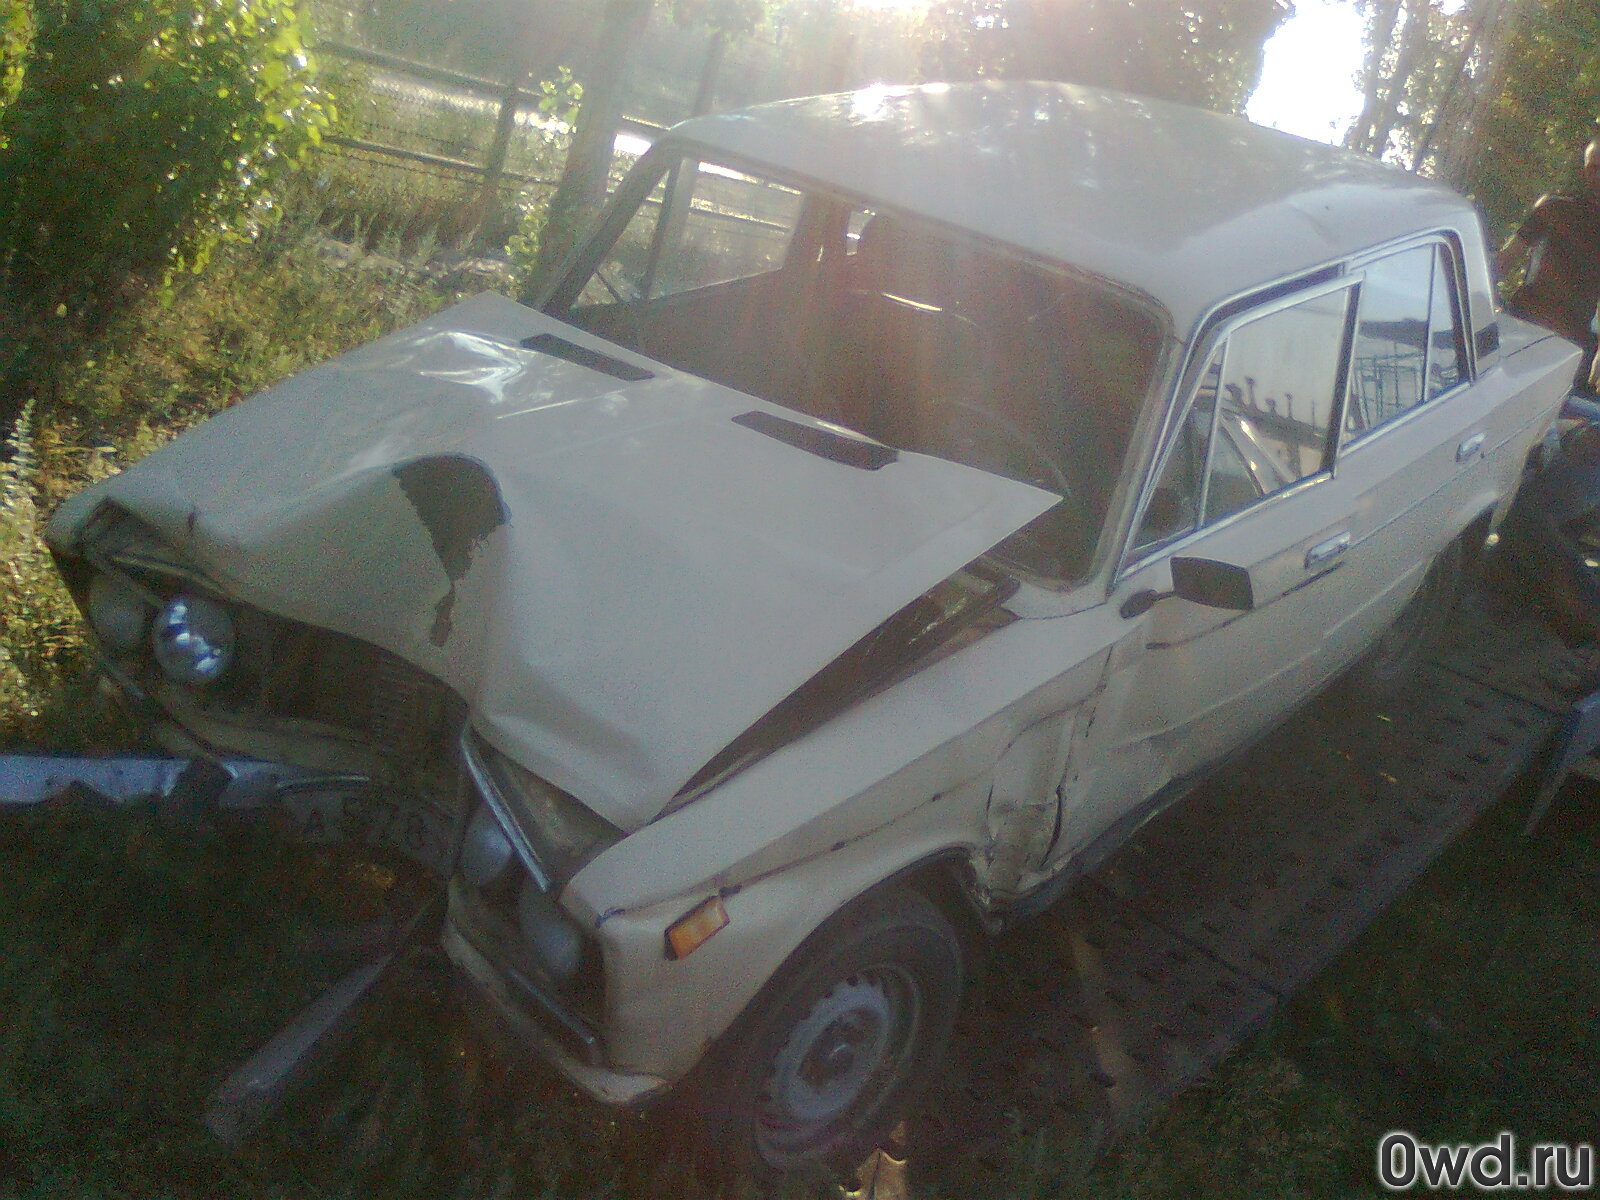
(1223, 323)
(1461, 318)
(1223, 319)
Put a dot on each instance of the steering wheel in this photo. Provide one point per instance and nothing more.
(962, 423)
(1058, 540)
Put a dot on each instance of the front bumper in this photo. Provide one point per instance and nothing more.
(603, 1083)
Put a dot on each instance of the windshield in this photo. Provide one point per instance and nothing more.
(910, 334)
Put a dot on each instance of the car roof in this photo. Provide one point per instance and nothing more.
(1187, 206)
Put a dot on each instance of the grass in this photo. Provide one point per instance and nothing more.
(369, 197)
(140, 963)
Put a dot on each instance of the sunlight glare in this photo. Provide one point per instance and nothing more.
(1308, 77)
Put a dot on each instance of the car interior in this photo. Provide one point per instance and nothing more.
(913, 336)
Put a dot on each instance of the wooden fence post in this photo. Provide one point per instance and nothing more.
(494, 166)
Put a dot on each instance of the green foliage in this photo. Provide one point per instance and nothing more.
(560, 97)
(260, 311)
(522, 248)
(143, 133)
(16, 31)
(1205, 52)
(40, 639)
(1545, 108)
(1497, 100)
(497, 39)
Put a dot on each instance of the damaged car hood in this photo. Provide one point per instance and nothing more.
(618, 565)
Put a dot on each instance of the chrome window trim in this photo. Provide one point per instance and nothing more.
(1460, 313)
(1450, 239)
(1223, 316)
(1199, 357)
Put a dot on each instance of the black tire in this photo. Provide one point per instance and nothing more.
(816, 1072)
(1391, 662)
(1551, 537)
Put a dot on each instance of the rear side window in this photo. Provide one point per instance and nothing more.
(1409, 340)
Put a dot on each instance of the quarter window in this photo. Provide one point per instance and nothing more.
(1447, 344)
(1174, 507)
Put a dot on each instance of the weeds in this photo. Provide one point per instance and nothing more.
(365, 197)
(261, 312)
(39, 633)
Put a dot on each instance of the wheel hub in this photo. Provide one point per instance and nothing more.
(833, 1056)
(839, 1049)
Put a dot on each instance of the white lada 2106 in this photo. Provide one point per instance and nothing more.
(899, 498)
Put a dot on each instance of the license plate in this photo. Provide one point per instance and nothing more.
(419, 831)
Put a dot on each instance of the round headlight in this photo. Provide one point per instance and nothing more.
(486, 854)
(118, 614)
(193, 639)
(553, 937)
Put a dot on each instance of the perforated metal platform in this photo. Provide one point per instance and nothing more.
(1157, 965)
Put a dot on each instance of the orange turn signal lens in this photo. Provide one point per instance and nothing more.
(689, 932)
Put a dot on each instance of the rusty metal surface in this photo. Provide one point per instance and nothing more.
(1492, 641)
(1186, 941)
(1092, 1016)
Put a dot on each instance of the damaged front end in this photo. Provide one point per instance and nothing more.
(540, 969)
(326, 737)
(332, 739)
(243, 680)
(480, 603)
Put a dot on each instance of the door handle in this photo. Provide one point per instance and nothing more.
(1324, 553)
(1469, 447)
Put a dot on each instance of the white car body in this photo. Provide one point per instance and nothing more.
(616, 582)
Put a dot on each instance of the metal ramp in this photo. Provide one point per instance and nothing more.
(1186, 942)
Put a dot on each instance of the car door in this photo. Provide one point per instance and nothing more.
(1245, 480)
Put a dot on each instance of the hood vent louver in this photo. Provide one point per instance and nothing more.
(559, 347)
(824, 443)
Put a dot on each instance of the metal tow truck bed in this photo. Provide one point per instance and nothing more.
(1192, 936)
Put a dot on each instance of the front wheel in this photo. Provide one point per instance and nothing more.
(816, 1072)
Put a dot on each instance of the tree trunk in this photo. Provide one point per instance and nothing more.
(1385, 15)
(1413, 36)
(1459, 152)
(582, 189)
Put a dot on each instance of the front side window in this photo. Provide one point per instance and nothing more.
(914, 335)
(1174, 507)
(1275, 409)
(1261, 418)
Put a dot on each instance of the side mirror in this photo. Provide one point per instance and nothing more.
(1202, 581)
(1214, 584)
